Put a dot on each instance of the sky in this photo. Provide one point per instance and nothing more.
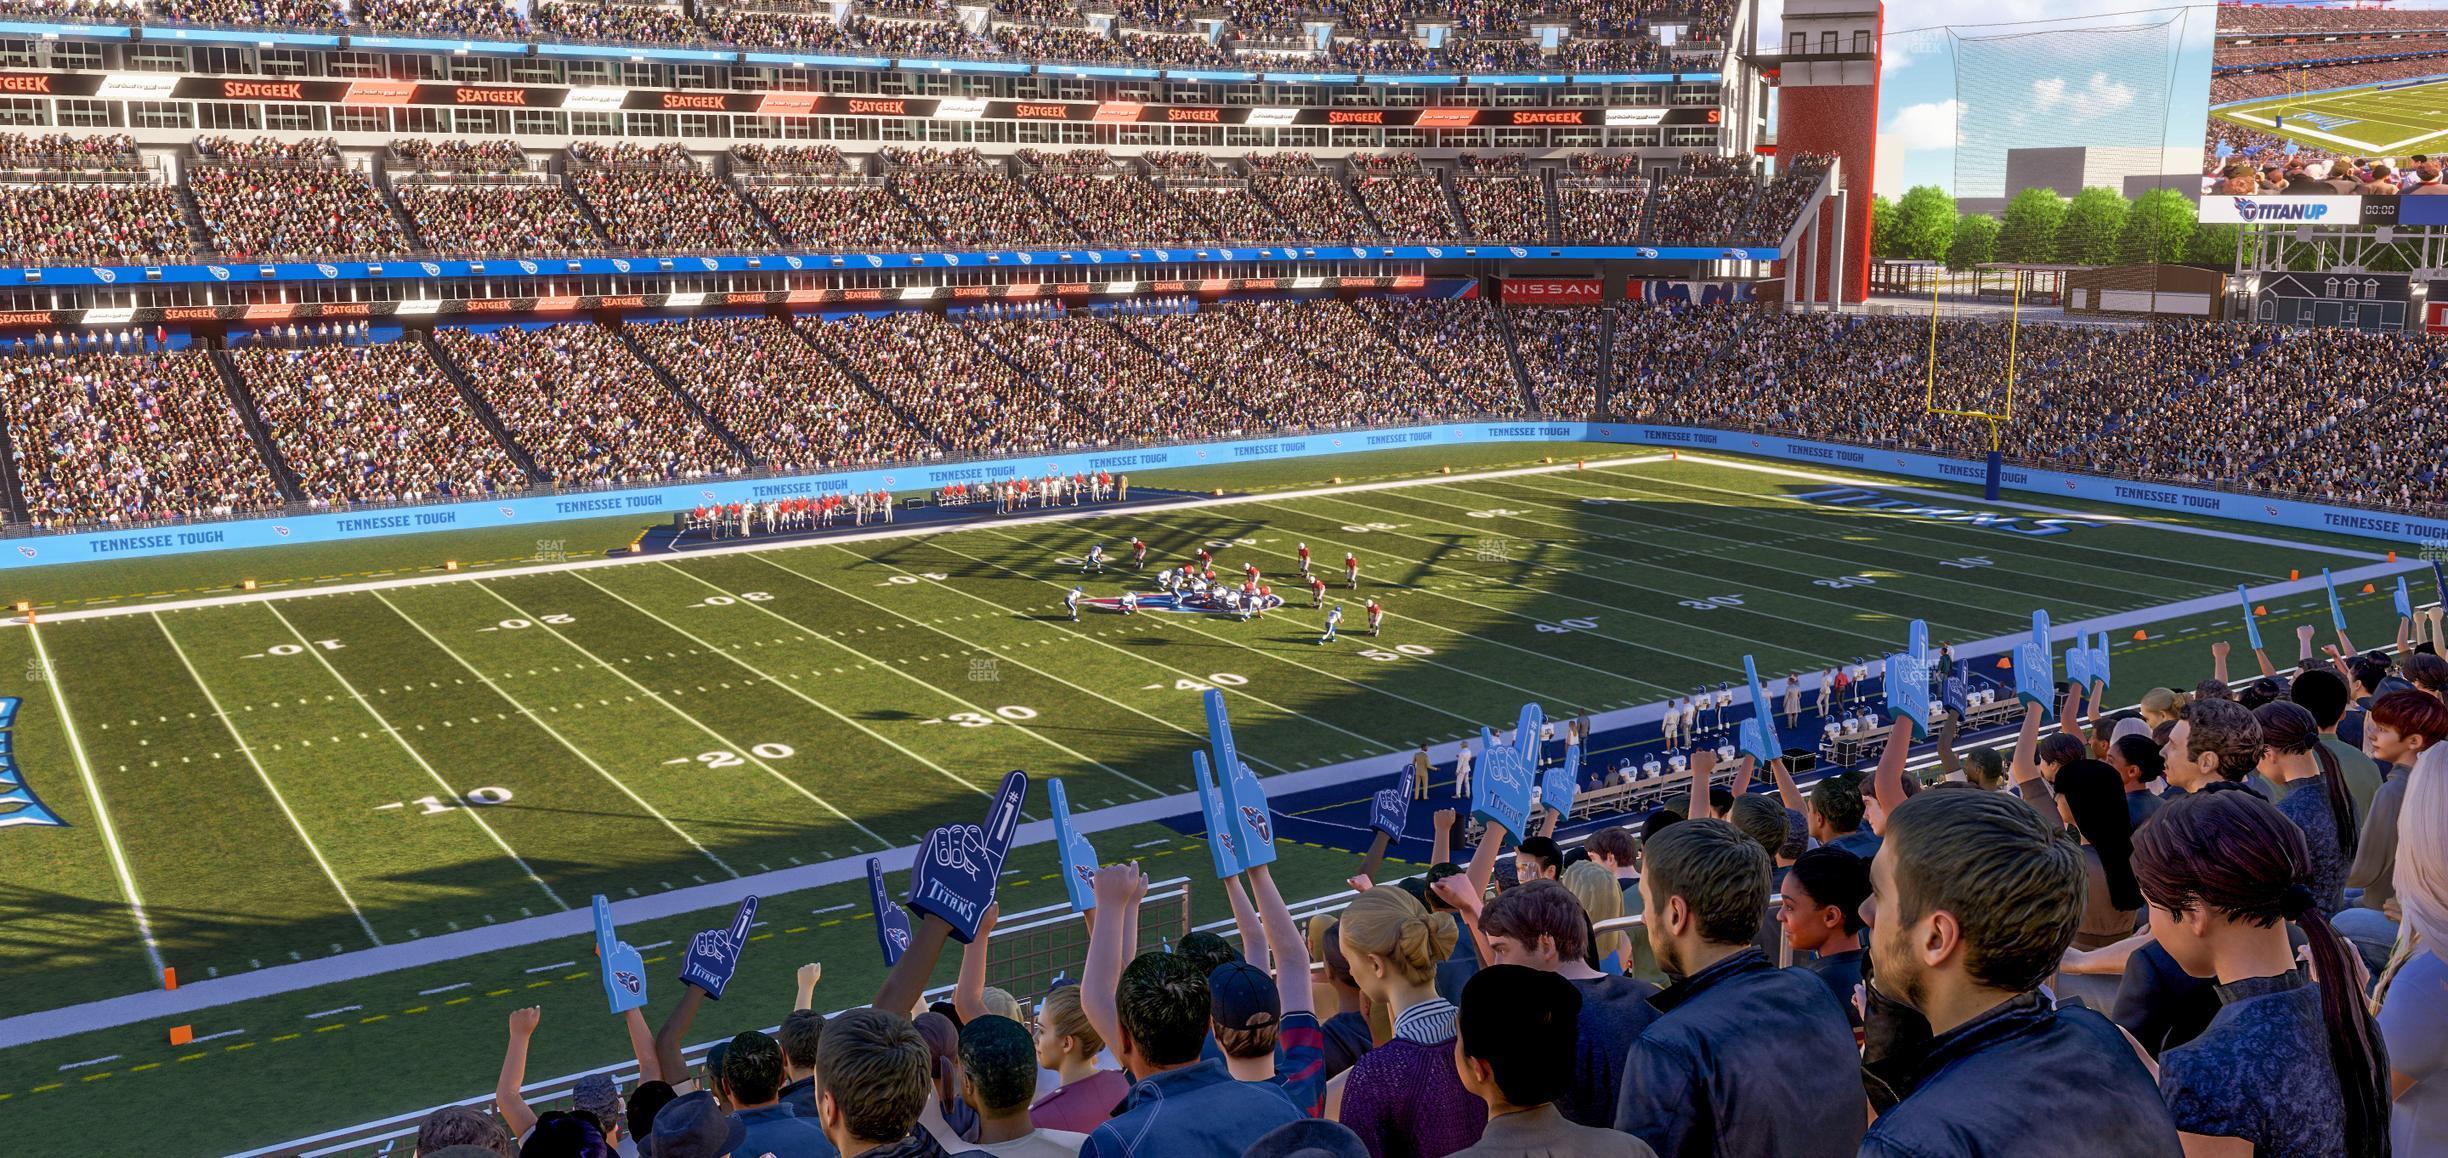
(1917, 90)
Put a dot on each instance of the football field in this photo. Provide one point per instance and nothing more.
(2361, 122)
(260, 782)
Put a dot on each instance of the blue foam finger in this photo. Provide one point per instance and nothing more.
(1245, 804)
(1223, 843)
(713, 955)
(960, 865)
(2035, 681)
(1390, 808)
(1917, 641)
(1079, 859)
(1560, 784)
(1957, 694)
(2252, 623)
(623, 971)
(892, 925)
(1908, 691)
(2404, 600)
(1761, 710)
(2337, 614)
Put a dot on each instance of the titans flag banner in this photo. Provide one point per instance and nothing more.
(1957, 694)
(1500, 786)
(2404, 600)
(2035, 681)
(1558, 785)
(892, 925)
(1908, 692)
(624, 972)
(2337, 614)
(1245, 803)
(1079, 859)
(2252, 625)
(1916, 642)
(713, 955)
(1390, 808)
(1763, 711)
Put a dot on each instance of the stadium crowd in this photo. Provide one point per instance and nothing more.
(584, 408)
(117, 439)
(1406, 199)
(373, 424)
(1600, 197)
(970, 199)
(1560, 348)
(2210, 924)
(1703, 201)
(495, 218)
(661, 199)
(789, 405)
(57, 220)
(265, 198)
(1109, 202)
(1500, 198)
(1307, 197)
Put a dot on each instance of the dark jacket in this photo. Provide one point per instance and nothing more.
(1745, 1058)
(2027, 1078)
(1192, 1112)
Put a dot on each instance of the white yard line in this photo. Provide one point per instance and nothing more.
(102, 816)
(763, 676)
(746, 751)
(448, 791)
(245, 749)
(898, 532)
(2060, 512)
(574, 750)
(815, 634)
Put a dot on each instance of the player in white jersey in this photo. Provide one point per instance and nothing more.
(1462, 770)
(1095, 561)
(1072, 601)
(1334, 619)
(1691, 718)
(1130, 603)
(1671, 724)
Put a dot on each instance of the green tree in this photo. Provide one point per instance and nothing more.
(1925, 223)
(2212, 245)
(1976, 239)
(2028, 232)
(2093, 224)
(2159, 228)
(1882, 227)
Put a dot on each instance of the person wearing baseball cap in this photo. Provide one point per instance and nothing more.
(1264, 1028)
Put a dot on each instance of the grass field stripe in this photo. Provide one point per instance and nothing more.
(744, 750)
(1824, 546)
(2150, 520)
(811, 632)
(1907, 525)
(1015, 661)
(102, 816)
(1834, 536)
(1183, 622)
(1242, 693)
(1603, 574)
(1739, 641)
(413, 754)
(1703, 525)
(1543, 657)
(923, 626)
(539, 721)
(278, 799)
(766, 677)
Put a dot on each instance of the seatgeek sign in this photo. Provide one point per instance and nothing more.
(653, 504)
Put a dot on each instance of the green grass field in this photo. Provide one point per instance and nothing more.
(324, 773)
(2362, 122)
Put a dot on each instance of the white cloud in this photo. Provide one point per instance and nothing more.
(2098, 97)
(1926, 126)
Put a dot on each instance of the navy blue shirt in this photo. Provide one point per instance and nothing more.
(2159, 1003)
(1347, 1037)
(780, 1131)
(1860, 842)
(1192, 1112)
(1744, 1058)
(2261, 1072)
(1614, 1011)
(2307, 804)
(2028, 1079)
(1841, 973)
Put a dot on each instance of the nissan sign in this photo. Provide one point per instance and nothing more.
(1551, 291)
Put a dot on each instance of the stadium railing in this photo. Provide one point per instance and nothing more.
(1165, 913)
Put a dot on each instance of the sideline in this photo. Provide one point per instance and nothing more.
(751, 547)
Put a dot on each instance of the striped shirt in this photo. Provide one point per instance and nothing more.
(1428, 1022)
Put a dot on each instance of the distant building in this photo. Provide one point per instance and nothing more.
(2130, 170)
